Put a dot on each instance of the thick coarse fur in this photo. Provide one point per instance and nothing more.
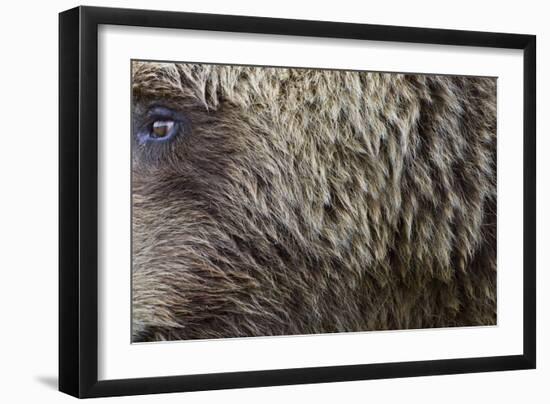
(300, 201)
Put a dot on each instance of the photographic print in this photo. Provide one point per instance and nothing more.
(275, 201)
(249, 201)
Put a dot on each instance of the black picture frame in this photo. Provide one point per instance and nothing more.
(78, 201)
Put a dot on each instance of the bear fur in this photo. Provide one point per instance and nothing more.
(303, 201)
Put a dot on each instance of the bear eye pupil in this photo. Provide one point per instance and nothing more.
(161, 129)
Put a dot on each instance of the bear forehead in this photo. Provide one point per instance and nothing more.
(247, 86)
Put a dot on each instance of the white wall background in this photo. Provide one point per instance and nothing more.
(28, 200)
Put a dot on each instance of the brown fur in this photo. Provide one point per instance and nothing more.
(302, 201)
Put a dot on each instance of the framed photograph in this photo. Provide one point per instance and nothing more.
(251, 201)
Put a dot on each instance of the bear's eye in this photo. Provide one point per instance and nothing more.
(160, 124)
(162, 129)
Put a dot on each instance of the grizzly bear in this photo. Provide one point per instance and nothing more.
(279, 201)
